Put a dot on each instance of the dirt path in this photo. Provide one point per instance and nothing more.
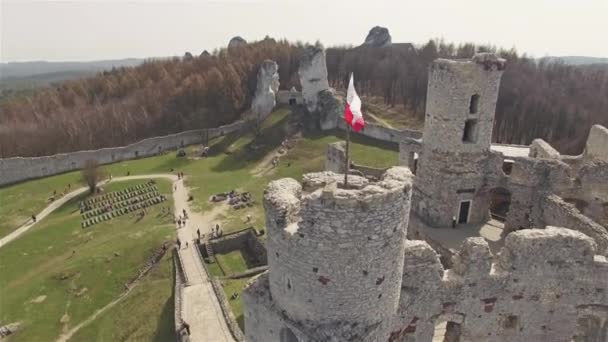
(381, 121)
(200, 307)
(265, 167)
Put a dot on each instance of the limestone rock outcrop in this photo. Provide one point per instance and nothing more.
(264, 99)
(313, 76)
(378, 37)
(236, 42)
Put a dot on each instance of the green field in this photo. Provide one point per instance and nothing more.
(107, 255)
(74, 271)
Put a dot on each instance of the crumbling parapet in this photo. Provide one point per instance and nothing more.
(533, 291)
(555, 211)
(335, 158)
(336, 255)
(541, 149)
(408, 149)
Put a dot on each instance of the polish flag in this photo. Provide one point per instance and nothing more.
(352, 111)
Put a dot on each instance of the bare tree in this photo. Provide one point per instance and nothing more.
(91, 174)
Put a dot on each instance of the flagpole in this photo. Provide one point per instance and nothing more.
(347, 164)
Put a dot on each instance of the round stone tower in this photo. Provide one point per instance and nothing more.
(460, 108)
(335, 257)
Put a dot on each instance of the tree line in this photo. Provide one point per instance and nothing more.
(125, 105)
(538, 98)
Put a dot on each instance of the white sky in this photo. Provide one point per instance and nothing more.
(91, 30)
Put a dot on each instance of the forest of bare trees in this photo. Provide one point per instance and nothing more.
(537, 99)
(553, 101)
(125, 105)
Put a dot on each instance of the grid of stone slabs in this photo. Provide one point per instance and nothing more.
(97, 209)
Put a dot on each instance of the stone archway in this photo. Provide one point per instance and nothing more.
(500, 203)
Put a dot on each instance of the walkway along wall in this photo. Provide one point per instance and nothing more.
(18, 169)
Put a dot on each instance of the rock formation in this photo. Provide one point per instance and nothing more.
(313, 76)
(236, 42)
(268, 84)
(378, 37)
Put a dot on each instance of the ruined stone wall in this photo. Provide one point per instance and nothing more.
(335, 255)
(335, 158)
(555, 211)
(542, 287)
(384, 133)
(541, 149)
(285, 97)
(17, 169)
(407, 148)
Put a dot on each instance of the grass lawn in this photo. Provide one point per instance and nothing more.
(230, 165)
(146, 314)
(40, 263)
(59, 270)
(232, 263)
(236, 305)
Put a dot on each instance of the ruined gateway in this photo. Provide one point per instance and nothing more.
(341, 266)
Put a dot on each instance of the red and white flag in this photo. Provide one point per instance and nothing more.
(352, 111)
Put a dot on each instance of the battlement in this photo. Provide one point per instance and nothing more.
(532, 290)
(483, 61)
(336, 254)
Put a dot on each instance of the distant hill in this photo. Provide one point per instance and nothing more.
(29, 69)
(577, 60)
(22, 77)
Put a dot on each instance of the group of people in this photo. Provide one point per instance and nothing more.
(180, 175)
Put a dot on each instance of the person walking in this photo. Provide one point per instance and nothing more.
(198, 232)
(179, 244)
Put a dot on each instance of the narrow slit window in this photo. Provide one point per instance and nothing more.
(474, 105)
(470, 131)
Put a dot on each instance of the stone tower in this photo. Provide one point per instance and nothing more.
(460, 108)
(335, 259)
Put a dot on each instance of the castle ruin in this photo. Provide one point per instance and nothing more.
(341, 266)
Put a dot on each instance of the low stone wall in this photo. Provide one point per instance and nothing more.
(233, 325)
(383, 133)
(18, 169)
(557, 211)
(287, 97)
(244, 239)
(368, 170)
(177, 294)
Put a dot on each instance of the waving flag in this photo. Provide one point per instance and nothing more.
(352, 111)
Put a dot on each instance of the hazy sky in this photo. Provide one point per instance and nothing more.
(89, 30)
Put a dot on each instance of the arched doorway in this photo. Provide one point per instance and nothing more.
(500, 201)
(288, 336)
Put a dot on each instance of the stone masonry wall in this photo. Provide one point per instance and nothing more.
(335, 255)
(17, 169)
(335, 158)
(545, 285)
(383, 133)
(556, 211)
